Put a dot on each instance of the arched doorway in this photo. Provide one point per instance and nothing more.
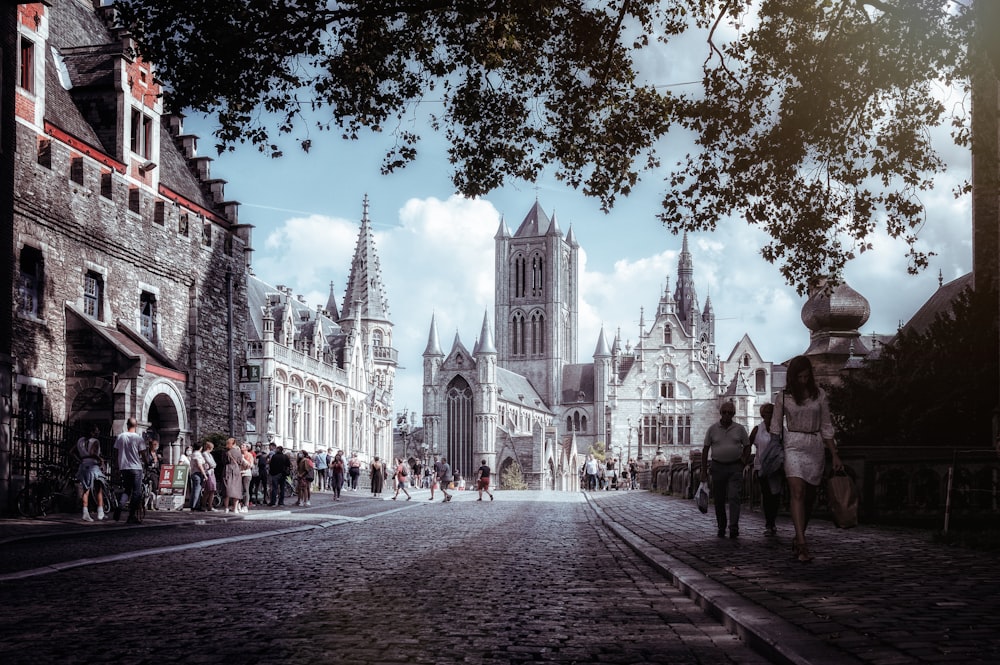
(163, 413)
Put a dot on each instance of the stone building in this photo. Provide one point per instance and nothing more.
(130, 264)
(325, 377)
(520, 396)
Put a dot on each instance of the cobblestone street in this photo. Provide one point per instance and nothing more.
(529, 577)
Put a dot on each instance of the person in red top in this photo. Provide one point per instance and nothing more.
(483, 483)
(401, 474)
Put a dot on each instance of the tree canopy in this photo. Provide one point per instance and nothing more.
(812, 120)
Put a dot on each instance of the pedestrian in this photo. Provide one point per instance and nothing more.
(247, 466)
(633, 474)
(377, 473)
(211, 477)
(185, 459)
(729, 445)
(802, 409)
(624, 481)
(445, 479)
(611, 473)
(305, 473)
(337, 475)
(89, 473)
(590, 472)
(770, 486)
(435, 478)
(278, 468)
(132, 456)
(319, 464)
(154, 458)
(198, 475)
(329, 468)
(483, 481)
(354, 470)
(401, 477)
(232, 478)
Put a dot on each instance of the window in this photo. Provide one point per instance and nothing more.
(517, 335)
(76, 170)
(537, 334)
(159, 212)
(133, 200)
(106, 183)
(206, 234)
(27, 73)
(250, 412)
(45, 153)
(760, 377)
(684, 425)
(668, 335)
(321, 422)
(277, 411)
(307, 408)
(537, 275)
(335, 424)
(142, 134)
(29, 297)
(147, 315)
(93, 295)
(182, 224)
(667, 389)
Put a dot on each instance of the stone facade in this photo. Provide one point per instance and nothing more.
(130, 265)
(526, 399)
(325, 378)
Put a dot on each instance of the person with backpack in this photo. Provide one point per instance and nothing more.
(401, 475)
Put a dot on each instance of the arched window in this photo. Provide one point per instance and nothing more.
(576, 421)
(517, 335)
(583, 423)
(517, 276)
(668, 334)
(537, 275)
(376, 338)
(569, 423)
(761, 381)
(459, 417)
(537, 334)
(746, 359)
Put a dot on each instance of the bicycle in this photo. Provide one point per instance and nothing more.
(52, 491)
(120, 505)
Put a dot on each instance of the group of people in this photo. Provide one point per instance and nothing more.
(608, 474)
(799, 421)
(133, 458)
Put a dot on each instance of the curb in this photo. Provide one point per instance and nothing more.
(767, 634)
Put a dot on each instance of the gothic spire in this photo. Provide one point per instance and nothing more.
(331, 305)
(433, 345)
(364, 285)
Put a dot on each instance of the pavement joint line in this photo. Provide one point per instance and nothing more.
(766, 633)
(124, 556)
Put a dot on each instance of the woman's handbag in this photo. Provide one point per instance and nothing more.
(842, 496)
(773, 459)
(701, 497)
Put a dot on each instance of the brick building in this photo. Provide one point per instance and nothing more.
(129, 264)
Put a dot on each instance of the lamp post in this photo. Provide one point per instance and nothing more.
(659, 419)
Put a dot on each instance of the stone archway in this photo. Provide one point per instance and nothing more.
(163, 412)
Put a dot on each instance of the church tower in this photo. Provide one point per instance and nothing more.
(537, 301)
(365, 313)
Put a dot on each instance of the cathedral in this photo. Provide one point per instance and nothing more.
(520, 398)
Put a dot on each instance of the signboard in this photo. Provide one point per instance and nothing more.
(172, 486)
(249, 378)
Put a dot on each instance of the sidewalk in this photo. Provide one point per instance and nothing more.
(872, 594)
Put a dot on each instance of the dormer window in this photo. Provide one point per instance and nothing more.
(668, 336)
(142, 134)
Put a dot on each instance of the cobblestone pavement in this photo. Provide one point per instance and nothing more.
(531, 577)
(872, 594)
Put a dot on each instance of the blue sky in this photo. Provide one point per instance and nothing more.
(436, 248)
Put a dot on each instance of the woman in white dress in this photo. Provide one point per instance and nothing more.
(803, 410)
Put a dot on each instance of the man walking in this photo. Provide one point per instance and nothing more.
(131, 449)
(445, 478)
(729, 445)
(278, 468)
(483, 483)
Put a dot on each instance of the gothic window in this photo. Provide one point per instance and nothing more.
(93, 295)
(746, 359)
(27, 62)
(142, 134)
(517, 335)
(537, 334)
(576, 421)
(460, 433)
(376, 338)
(537, 275)
(29, 300)
(667, 334)
(518, 276)
(569, 423)
(667, 389)
(760, 377)
(583, 423)
(147, 316)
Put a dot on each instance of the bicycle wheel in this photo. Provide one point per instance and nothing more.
(27, 503)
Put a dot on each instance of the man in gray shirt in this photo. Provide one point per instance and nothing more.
(445, 478)
(729, 444)
(132, 456)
